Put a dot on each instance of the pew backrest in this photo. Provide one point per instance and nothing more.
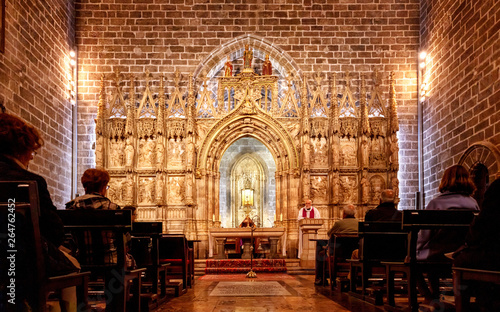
(382, 241)
(452, 219)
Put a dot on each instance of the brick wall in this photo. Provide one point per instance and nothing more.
(33, 82)
(330, 35)
(462, 39)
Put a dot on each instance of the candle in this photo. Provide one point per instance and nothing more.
(220, 217)
(213, 217)
(275, 217)
(281, 217)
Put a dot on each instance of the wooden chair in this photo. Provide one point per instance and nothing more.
(467, 282)
(413, 222)
(173, 249)
(145, 238)
(340, 248)
(21, 240)
(93, 230)
(378, 241)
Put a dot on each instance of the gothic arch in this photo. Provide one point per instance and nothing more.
(482, 153)
(237, 125)
(234, 48)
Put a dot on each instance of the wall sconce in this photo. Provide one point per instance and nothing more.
(72, 78)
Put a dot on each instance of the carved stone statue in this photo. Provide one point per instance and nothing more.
(247, 57)
(364, 152)
(99, 155)
(336, 188)
(228, 68)
(129, 153)
(128, 190)
(267, 67)
(365, 188)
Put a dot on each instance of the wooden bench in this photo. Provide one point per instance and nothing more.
(93, 230)
(340, 248)
(22, 240)
(413, 221)
(465, 279)
(144, 249)
(378, 241)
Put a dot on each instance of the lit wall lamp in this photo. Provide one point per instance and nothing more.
(424, 83)
(72, 78)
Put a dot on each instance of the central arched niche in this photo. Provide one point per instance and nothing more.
(247, 163)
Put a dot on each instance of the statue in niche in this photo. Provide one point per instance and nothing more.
(336, 188)
(228, 68)
(160, 152)
(267, 67)
(176, 191)
(306, 185)
(365, 188)
(247, 57)
(148, 191)
(364, 152)
(128, 190)
(115, 153)
(393, 149)
(129, 153)
(377, 185)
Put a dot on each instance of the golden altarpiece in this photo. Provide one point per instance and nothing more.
(163, 149)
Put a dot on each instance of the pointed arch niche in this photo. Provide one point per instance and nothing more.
(247, 163)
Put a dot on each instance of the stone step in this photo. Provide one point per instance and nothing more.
(292, 265)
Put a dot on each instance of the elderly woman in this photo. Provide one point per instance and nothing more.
(20, 141)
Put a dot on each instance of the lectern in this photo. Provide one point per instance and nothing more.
(308, 228)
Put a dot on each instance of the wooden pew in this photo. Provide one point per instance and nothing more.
(173, 249)
(378, 241)
(92, 230)
(340, 248)
(22, 240)
(466, 280)
(413, 221)
(144, 249)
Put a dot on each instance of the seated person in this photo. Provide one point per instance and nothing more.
(95, 183)
(20, 141)
(455, 189)
(386, 210)
(348, 224)
(482, 247)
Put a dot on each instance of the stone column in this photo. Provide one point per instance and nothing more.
(309, 230)
(273, 249)
(219, 241)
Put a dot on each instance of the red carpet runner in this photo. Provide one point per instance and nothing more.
(243, 266)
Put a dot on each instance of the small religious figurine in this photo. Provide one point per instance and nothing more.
(267, 67)
(228, 68)
(247, 57)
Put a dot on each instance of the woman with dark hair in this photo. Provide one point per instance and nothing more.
(20, 141)
(455, 189)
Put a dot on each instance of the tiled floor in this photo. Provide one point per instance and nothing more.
(305, 296)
